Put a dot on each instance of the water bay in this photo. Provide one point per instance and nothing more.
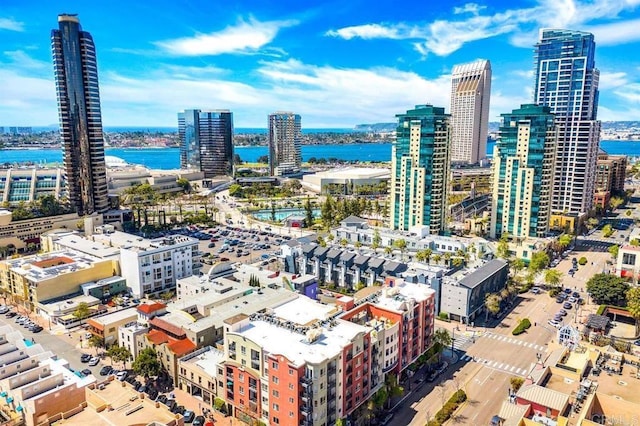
(169, 158)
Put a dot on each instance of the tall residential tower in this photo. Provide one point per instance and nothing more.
(523, 173)
(206, 141)
(567, 82)
(285, 133)
(470, 94)
(420, 159)
(76, 77)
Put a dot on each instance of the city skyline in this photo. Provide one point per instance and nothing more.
(351, 65)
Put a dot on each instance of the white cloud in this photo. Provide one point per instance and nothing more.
(244, 37)
(616, 32)
(371, 31)
(468, 8)
(22, 60)
(630, 93)
(611, 80)
(444, 37)
(11, 24)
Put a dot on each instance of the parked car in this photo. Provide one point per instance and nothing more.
(198, 421)
(554, 323)
(11, 314)
(188, 416)
(4, 309)
(86, 372)
(535, 290)
(85, 358)
(94, 361)
(122, 375)
(567, 305)
(35, 328)
(387, 419)
(106, 370)
(562, 312)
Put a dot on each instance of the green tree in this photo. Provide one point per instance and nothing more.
(96, 342)
(539, 261)
(147, 363)
(502, 250)
(518, 265)
(388, 250)
(564, 241)
(608, 289)
(82, 311)
(49, 205)
(443, 338)
(344, 242)
(376, 240)
(263, 159)
(321, 241)
(184, 184)
(492, 304)
(553, 277)
(119, 354)
(235, 190)
(327, 212)
(437, 258)
(633, 302)
(613, 250)
(308, 213)
(616, 202)
(607, 230)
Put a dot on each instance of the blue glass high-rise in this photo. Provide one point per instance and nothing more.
(567, 82)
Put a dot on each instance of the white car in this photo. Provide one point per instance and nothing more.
(554, 323)
(94, 361)
(535, 290)
(121, 375)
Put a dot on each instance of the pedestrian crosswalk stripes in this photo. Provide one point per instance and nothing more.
(496, 365)
(518, 342)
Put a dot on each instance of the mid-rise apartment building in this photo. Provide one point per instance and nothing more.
(297, 364)
(48, 277)
(610, 176)
(420, 159)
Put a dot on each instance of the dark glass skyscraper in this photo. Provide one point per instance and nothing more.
(76, 76)
(206, 141)
(567, 82)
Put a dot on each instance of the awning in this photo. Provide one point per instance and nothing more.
(19, 408)
(3, 394)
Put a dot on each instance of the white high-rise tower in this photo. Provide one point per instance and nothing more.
(470, 94)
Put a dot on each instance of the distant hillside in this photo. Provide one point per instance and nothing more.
(376, 127)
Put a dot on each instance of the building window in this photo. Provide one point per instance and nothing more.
(275, 407)
(274, 379)
(276, 393)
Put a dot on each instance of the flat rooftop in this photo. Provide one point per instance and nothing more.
(355, 173)
(206, 359)
(304, 311)
(76, 241)
(396, 298)
(133, 242)
(42, 267)
(296, 346)
(117, 316)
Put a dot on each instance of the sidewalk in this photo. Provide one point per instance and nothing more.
(197, 405)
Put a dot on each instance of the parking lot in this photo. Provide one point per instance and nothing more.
(229, 243)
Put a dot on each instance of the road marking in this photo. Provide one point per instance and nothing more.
(513, 368)
(519, 342)
(501, 365)
(521, 369)
(510, 340)
(494, 363)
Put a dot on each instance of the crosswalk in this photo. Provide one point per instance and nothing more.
(462, 342)
(518, 342)
(496, 365)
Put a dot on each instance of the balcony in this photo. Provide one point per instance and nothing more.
(306, 409)
(306, 381)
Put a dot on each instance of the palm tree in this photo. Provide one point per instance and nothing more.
(388, 250)
(437, 258)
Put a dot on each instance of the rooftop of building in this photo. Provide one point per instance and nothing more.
(355, 173)
(544, 396)
(472, 278)
(140, 244)
(314, 346)
(148, 308)
(304, 311)
(206, 359)
(398, 297)
(114, 317)
(78, 242)
(224, 299)
(42, 267)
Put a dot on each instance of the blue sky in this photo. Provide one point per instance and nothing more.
(337, 63)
